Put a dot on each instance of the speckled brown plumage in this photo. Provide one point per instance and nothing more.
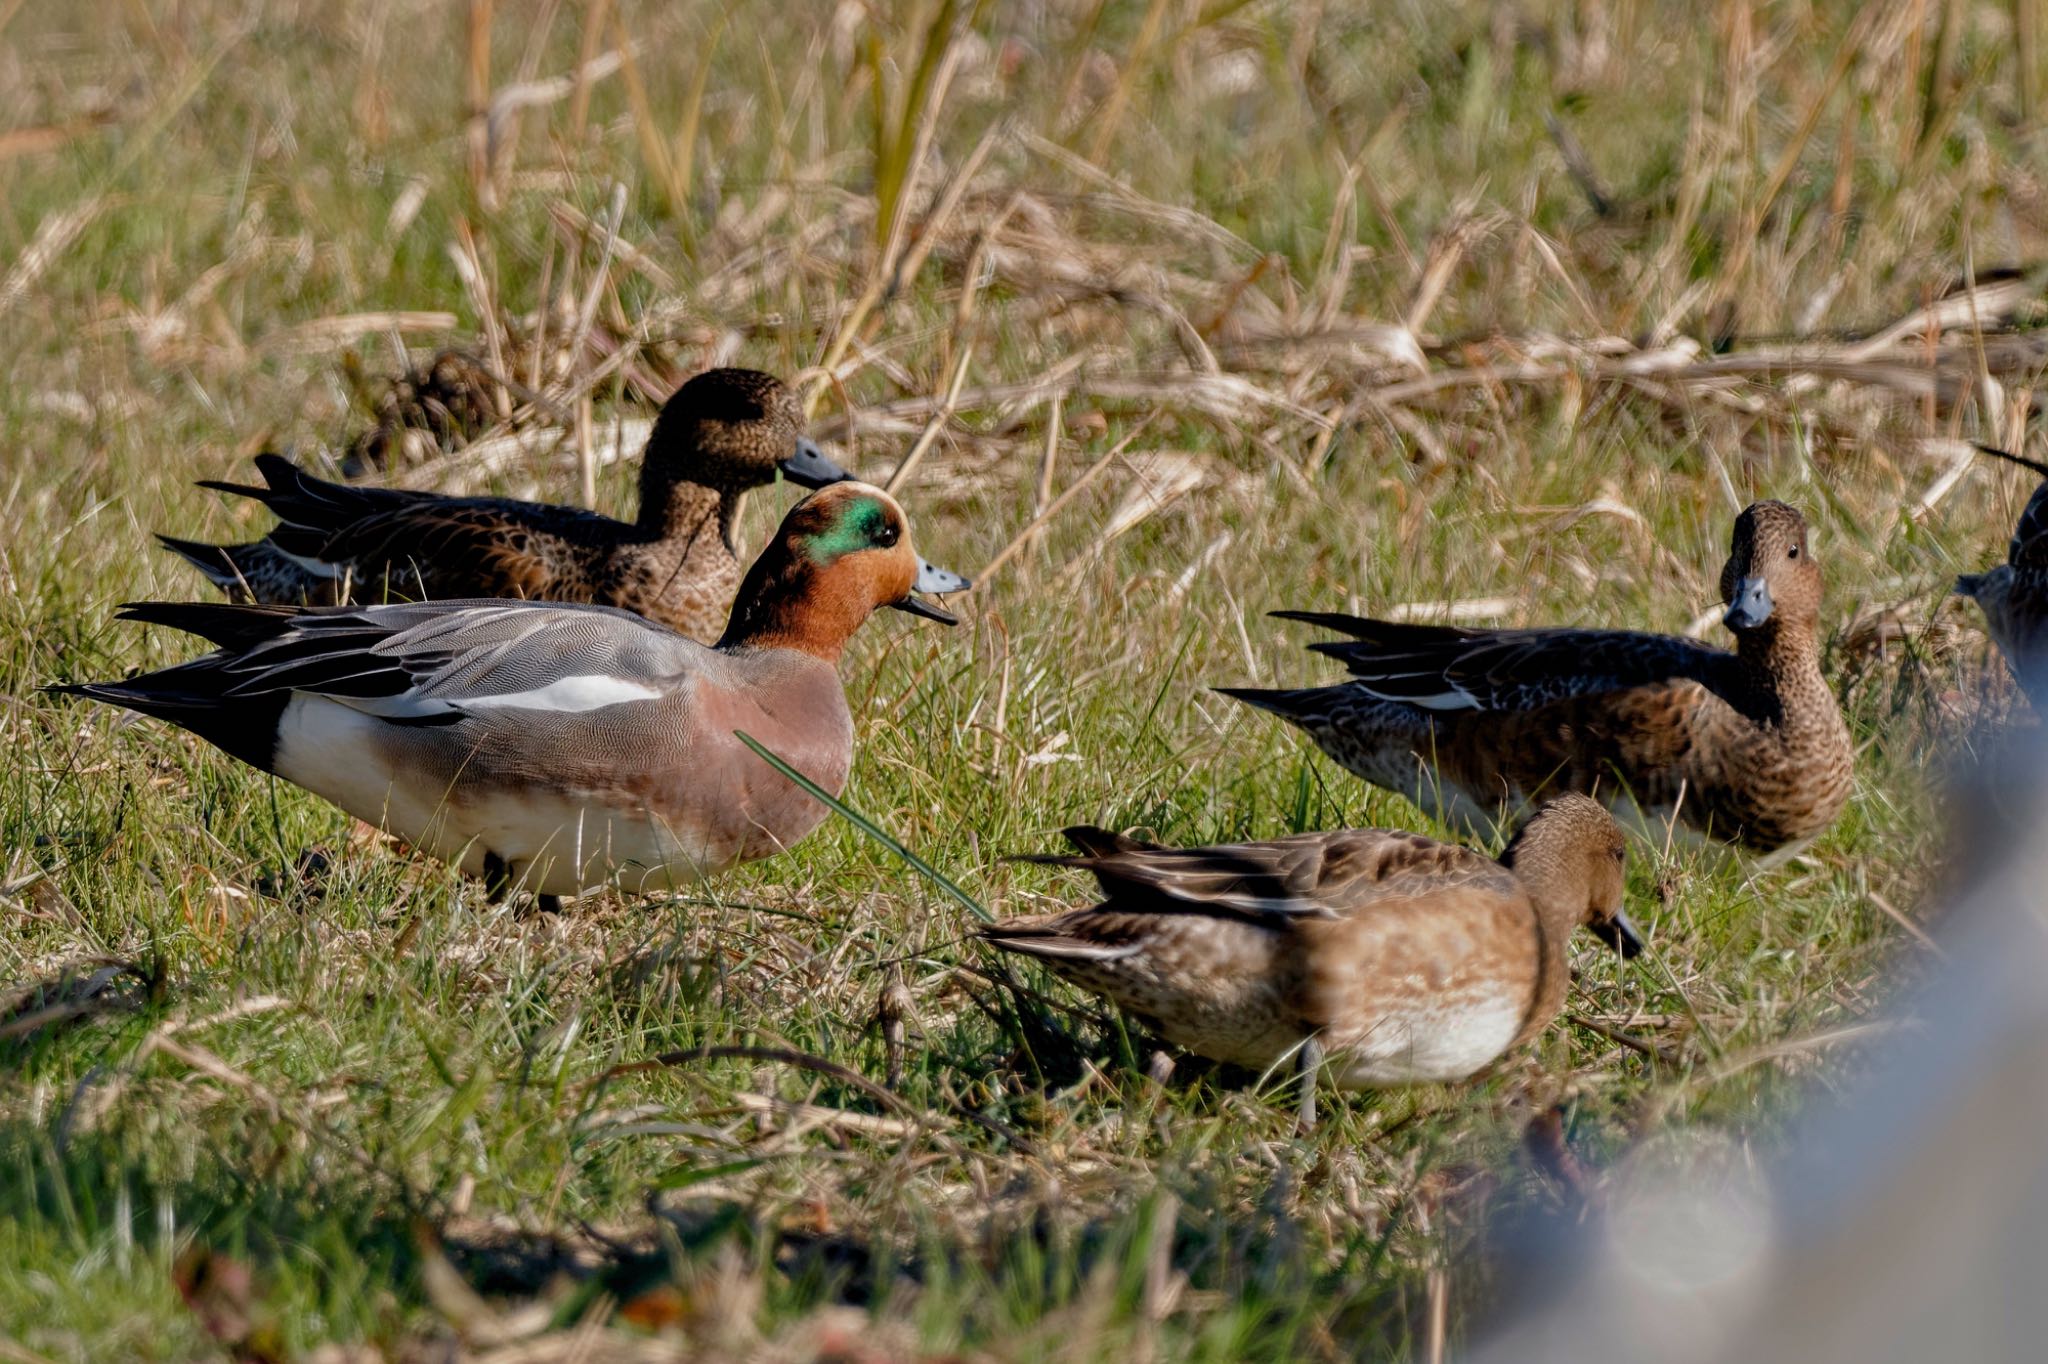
(720, 434)
(1749, 746)
(2014, 595)
(1406, 959)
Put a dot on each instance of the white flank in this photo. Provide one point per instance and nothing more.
(556, 842)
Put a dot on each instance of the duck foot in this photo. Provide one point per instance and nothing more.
(1309, 1064)
(547, 904)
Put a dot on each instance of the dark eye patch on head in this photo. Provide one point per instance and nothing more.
(862, 523)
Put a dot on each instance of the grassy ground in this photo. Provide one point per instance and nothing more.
(1357, 336)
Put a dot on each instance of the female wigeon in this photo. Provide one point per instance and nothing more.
(1746, 746)
(1386, 957)
(2014, 595)
(557, 747)
(720, 434)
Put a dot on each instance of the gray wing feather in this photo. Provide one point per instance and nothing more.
(435, 659)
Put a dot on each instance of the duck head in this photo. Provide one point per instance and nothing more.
(840, 554)
(1574, 861)
(1770, 576)
(731, 430)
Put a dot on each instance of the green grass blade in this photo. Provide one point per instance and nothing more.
(868, 827)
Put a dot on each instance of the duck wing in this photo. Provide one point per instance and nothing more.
(1447, 667)
(2029, 547)
(467, 547)
(1317, 875)
(425, 663)
(449, 546)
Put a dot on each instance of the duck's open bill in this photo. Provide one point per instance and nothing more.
(811, 467)
(933, 580)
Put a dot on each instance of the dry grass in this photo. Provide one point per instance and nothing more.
(1162, 316)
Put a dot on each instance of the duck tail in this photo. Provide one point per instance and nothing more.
(1044, 939)
(190, 696)
(234, 626)
(1296, 705)
(225, 566)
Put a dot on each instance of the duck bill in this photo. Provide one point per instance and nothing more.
(809, 467)
(918, 606)
(933, 580)
(1620, 934)
(1751, 606)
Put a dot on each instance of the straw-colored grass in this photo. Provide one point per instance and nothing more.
(1158, 317)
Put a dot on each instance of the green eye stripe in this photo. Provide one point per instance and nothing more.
(859, 527)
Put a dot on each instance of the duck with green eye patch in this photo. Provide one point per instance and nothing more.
(866, 523)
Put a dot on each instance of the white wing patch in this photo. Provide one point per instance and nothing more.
(1455, 699)
(568, 695)
(318, 568)
(592, 691)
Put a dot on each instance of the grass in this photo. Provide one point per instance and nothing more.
(1362, 339)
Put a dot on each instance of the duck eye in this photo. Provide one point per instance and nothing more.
(1792, 553)
(887, 535)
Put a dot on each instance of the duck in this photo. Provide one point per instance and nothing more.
(1746, 748)
(2014, 595)
(557, 747)
(1368, 957)
(720, 434)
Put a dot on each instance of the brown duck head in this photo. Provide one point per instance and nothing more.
(1771, 578)
(729, 430)
(840, 554)
(1574, 861)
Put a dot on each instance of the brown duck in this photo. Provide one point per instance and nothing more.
(2014, 595)
(720, 434)
(1372, 956)
(1746, 746)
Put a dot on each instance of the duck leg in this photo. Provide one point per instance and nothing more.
(497, 878)
(1309, 1063)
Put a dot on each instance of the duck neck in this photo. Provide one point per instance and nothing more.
(1557, 916)
(786, 603)
(680, 510)
(1779, 661)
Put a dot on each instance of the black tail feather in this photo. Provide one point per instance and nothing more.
(2011, 458)
(228, 625)
(220, 485)
(1289, 703)
(188, 696)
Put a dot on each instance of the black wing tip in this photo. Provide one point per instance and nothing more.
(201, 554)
(225, 624)
(2009, 457)
(1282, 701)
(1341, 621)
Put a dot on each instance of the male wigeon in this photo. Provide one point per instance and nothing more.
(720, 434)
(1746, 746)
(1374, 956)
(2014, 595)
(555, 746)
